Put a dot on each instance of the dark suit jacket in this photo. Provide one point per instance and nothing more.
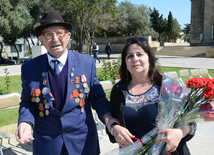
(77, 130)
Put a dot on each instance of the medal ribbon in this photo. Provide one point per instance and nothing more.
(82, 103)
(83, 78)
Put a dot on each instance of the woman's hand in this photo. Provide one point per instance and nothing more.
(122, 136)
(172, 139)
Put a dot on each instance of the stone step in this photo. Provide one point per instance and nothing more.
(197, 51)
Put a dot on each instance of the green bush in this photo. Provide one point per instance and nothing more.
(110, 71)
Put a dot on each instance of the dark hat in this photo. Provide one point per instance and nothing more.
(51, 18)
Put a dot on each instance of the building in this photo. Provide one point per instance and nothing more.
(202, 23)
(11, 51)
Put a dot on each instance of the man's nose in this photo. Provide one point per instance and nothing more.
(54, 37)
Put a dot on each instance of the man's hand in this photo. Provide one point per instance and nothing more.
(23, 133)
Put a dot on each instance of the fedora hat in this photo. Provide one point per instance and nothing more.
(51, 18)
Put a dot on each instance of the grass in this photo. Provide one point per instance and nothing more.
(10, 116)
(15, 85)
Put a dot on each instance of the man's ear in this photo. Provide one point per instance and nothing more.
(40, 39)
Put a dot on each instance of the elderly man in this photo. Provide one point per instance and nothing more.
(59, 89)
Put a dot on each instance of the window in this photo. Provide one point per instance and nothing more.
(13, 50)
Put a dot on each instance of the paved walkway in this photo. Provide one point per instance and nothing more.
(167, 61)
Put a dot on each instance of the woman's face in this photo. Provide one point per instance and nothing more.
(137, 60)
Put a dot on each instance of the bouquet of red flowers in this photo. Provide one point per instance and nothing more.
(179, 105)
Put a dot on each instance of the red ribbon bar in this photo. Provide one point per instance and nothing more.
(139, 140)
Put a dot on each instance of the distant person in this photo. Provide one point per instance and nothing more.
(95, 49)
(108, 50)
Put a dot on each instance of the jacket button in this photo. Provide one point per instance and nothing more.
(63, 133)
(61, 115)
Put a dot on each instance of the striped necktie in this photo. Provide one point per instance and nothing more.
(56, 67)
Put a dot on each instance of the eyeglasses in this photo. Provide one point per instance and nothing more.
(59, 33)
(139, 38)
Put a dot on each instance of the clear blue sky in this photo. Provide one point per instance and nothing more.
(181, 10)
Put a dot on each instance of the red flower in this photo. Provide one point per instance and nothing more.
(179, 90)
(208, 93)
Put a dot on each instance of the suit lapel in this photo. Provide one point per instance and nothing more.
(43, 73)
(72, 63)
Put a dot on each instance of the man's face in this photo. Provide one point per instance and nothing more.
(55, 39)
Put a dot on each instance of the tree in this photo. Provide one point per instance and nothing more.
(170, 26)
(84, 15)
(16, 20)
(186, 31)
(133, 20)
(158, 23)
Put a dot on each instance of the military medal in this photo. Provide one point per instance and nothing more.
(46, 112)
(33, 94)
(85, 85)
(82, 110)
(77, 85)
(49, 97)
(81, 95)
(46, 106)
(84, 79)
(77, 100)
(75, 93)
(45, 101)
(87, 90)
(72, 75)
(77, 79)
(82, 103)
(81, 90)
(41, 114)
(43, 74)
(41, 108)
(72, 81)
(45, 83)
(37, 93)
(45, 91)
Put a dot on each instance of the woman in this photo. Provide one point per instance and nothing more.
(134, 100)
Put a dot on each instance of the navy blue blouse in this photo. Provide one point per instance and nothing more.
(141, 110)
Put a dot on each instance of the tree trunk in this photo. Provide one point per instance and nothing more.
(32, 40)
(17, 53)
(1, 50)
(29, 46)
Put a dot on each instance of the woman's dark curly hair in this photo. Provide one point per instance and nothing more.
(154, 74)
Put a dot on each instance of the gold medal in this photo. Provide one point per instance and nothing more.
(33, 99)
(77, 100)
(85, 85)
(45, 101)
(41, 114)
